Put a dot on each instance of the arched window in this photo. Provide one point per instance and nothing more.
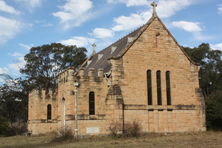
(158, 81)
(168, 88)
(91, 103)
(49, 112)
(149, 87)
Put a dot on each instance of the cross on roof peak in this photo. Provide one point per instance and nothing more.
(154, 8)
(94, 45)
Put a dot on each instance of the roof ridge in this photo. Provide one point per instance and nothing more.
(123, 37)
(142, 29)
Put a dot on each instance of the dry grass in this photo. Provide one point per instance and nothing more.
(186, 140)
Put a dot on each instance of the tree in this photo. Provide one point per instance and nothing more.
(214, 111)
(4, 128)
(210, 67)
(72, 57)
(14, 98)
(43, 63)
(210, 81)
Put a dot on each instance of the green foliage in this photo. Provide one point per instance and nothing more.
(210, 67)
(14, 98)
(197, 54)
(214, 111)
(72, 56)
(43, 63)
(4, 128)
(210, 81)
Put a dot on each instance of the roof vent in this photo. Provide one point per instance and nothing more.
(99, 56)
(113, 48)
(88, 62)
(130, 39)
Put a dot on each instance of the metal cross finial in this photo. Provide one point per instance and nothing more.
(94, 45)
(154, 8)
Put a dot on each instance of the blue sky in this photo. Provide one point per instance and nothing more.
(28, 23)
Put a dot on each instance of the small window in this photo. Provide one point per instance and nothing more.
(159, 95)
(91, 103)
(168, 88)
(49, 112)
(72, 93)
(149, 87)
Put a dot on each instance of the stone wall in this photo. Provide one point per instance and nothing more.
(37, 112)
(166, 56)
(127, 99)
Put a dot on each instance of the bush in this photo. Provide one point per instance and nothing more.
(4, 127)
(214, 111)
(18, 130)
(132, 129)
(67, 135)
(114, 127)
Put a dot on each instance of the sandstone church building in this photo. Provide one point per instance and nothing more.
(145, 76)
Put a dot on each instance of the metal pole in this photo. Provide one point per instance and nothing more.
(76, 129)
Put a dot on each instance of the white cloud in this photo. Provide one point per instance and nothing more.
(102, 33)
(28, 47)
(8, 29)
(19, 63)
(220, 9)
(216, 46)
(6, 8)
(3, 70)
(193, 27)
(188, 26)
(30, 4)
(131, 2)
(15, 54)
(167, 8)
(74, 13)
(78, 41)
(131, 22)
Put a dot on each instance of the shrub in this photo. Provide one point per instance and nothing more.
(214, 111)
(67, 135)
(4, 127)
(114, 127)
(18, 130)
(132, 129)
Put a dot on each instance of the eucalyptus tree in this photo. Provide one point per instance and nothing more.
(44, 63)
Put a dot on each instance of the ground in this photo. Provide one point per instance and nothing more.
(182, 140)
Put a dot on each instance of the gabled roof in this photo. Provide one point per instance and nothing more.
(119, 48)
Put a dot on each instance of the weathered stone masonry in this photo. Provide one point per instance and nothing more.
(125, 64)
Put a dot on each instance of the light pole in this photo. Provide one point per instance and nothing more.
(76, 84)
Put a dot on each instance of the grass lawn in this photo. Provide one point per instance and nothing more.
(185, 140)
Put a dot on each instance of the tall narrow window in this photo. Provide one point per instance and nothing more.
(168, 88)
(157, 35)
(156, 42)
(149, 87)
(91, 103)
(158, 79)
(49, 112)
